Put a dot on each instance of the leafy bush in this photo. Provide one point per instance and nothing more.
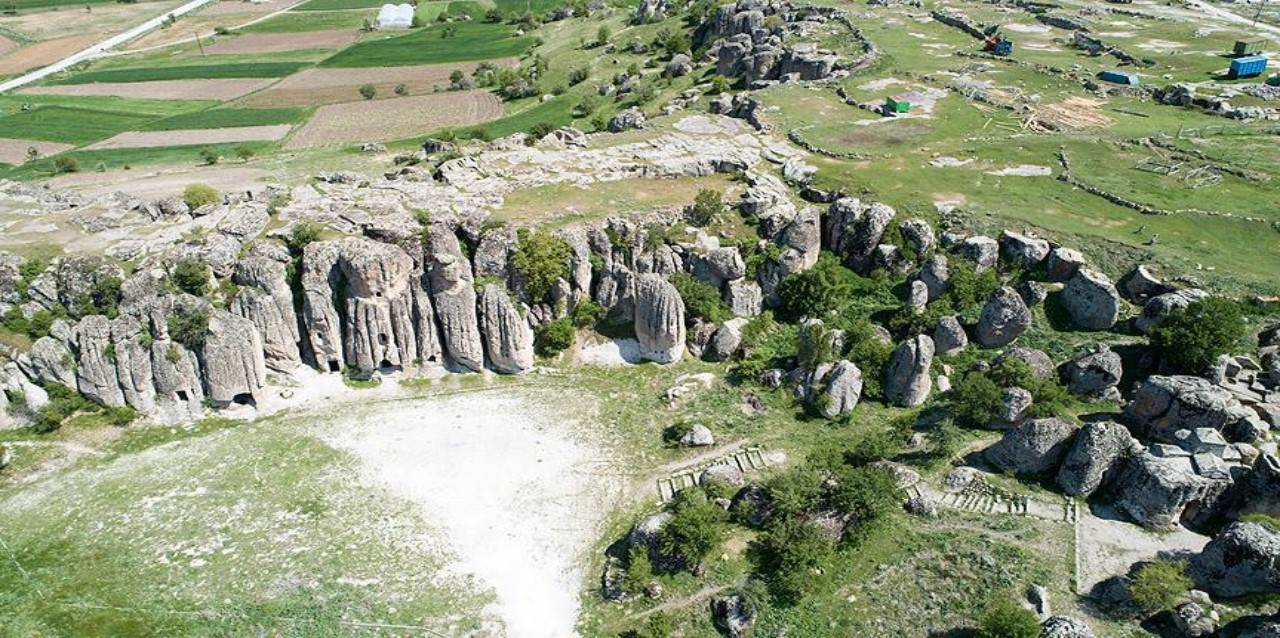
(788, 554)
(368, 91)
(63, 403)
(1007, 619)
(708, 205)
(967, 289)
(977, 399)
(554, 337)
(188, 329)
(198, 195)
(209, 156)
(1192, 338)
(303, 234)
(701, 299)
(818, 291)
(539, 131)
(865, 493)
(541, 258)
(66, 164)
(697, 527)
(639, 570)
(1160, 585)
(191, 276)
(587, 314)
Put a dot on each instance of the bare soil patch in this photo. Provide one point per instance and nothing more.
(187, 137)
(221, 90)
(317, 87)
(277, 42)
(152, 184)
(43, 53)
(232, 7)
(7, 46)
(71, 20)
(15, 151)
(393, 119)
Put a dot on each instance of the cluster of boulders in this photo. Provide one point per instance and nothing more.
(746, 39)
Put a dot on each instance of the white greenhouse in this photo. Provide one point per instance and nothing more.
(395, 16)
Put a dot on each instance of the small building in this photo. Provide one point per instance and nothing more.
(395, 16)
(1120, 77)
(1248, 66)
(1249, 46)
(896, 104)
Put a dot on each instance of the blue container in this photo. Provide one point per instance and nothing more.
(1120, 77)
(1248, 66)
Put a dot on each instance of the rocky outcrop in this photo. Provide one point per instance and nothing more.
(732, 615)
(1243, 559)
(234, 368)
(266, 299)
(984, 252)
(949, 337)
(659, 321)
(453, 297)
(508, 338)
(133, 363)
(1091, 300)
(1065, 627)
(1004, 318)
(907, 382)
(49, 361)
(1023, 251)
(935, 274)
(865, 236)
(844, 390)
(1162, 405)
(1094, 374)
(1257, 492)
(1156, 492)
(1063, 264)
(1159, 307)
(1034, 447)
(96, 368)
(1093, 458)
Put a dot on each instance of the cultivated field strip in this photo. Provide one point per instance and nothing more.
(141, 139)
(357, 122)
(162, 89)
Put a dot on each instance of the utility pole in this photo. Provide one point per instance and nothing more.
(200, 44)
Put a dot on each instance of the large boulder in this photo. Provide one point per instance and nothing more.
(866, 234)
(234, 368)
(508, 338)
(1004, 318)
(1024, 251)
(1243, 559)
(1162, 405)
(1094, 374)
(907, 382)
(453, 296)
(725, 341)
(745, 298)
(1038, 360)
(732, 615)
(48, 361)
(1093, 457)
(918, 237)
(984, 252)
(1258, 491)
(844, 389)
(935, 274)
(1159, 307)
(1034, 447)
(1140, 285)
(659, 320)
(1063, 264)
(949, 337)
(1064, 627)
(1156, 492)
(1091, 300)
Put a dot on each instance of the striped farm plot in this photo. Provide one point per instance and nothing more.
(317, 87)
(42, 53)
(280, 42)
(191, 137)
(365, 121)
(7, 46)
(221, 90)
(15, 151)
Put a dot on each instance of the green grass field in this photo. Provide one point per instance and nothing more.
(69, 125)
(185, 72)
(228, 118)
(28, 5)
(113, 159)
(339, 5)
(472, 41)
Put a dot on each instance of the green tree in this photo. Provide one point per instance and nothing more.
(209, 156)
(788, 554)
(603, 34)
(191, 276)
(1006, 619)
(697, 527)
(866, 493)
(1160, 585)
(554, 337)
(368, 91)
(541, 258)
(189, 329)
(794, 492)
(818, 291)
(1192, 338)
(200, 195)
(701, 299)
(976, 400)
(245, 153)
(639, 570)
(401, 90)
(968, 289)
(303, 234)
(65, 164)
(707, 206)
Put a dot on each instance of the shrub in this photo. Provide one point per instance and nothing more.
(968, 289)
(191, 276)
(816, 292)
(401, 90)
(541, 258)
(199, 195)
(302, 235)
(697, 527)
(539, 131)
(66, 164)
(708, 205)
(976, 400)
(120, 415)
(579, 75)
(603, 34)
(554, 337)
(244, 153)
(1160, 585)
(788, 554)
(368, 91)
(587, 314)
(209, 156)
(1192, 338)
(719, 84)
(188, 329)
(701, 299)
(63, 403)
(865, 493)
(1007, 619)
(639, 570)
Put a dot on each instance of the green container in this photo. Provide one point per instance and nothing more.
(1249, 46)
(897, 105)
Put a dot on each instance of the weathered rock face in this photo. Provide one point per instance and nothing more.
(234, 368)
(732, 615)
(373, 324)
(984, 252)
(935, 275)
(1162, 405)
(266, 299)
(698, 436)
(1243, 559)
(659, 320)
(453, 296)
(1022, 250)
(745, 298)
(865, 234)
(1140, 285)
(1064, 627)
(1258, 492)
(133, 364)
(844, 389)
(1004, 318)
(1015, 403)
(1034, 447)
(907, 382)
(49, 361)
(949, 337)
(1155, 491)
(77, 278)
(508, 338)
(918, 237)
(726, 340)
(96, 369)
(493, 254)
(1094, 375)
(1092, 460)
(1159, 307)
(1038, 360)
(1064, 263)
(1091, 300)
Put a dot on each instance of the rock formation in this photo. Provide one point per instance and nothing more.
(659, 320)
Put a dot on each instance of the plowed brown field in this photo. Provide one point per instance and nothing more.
(189, 137)
(365, 121)
(315, 87)
(277, 42)
(161, 90)
(43, 53)
(15, 151)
